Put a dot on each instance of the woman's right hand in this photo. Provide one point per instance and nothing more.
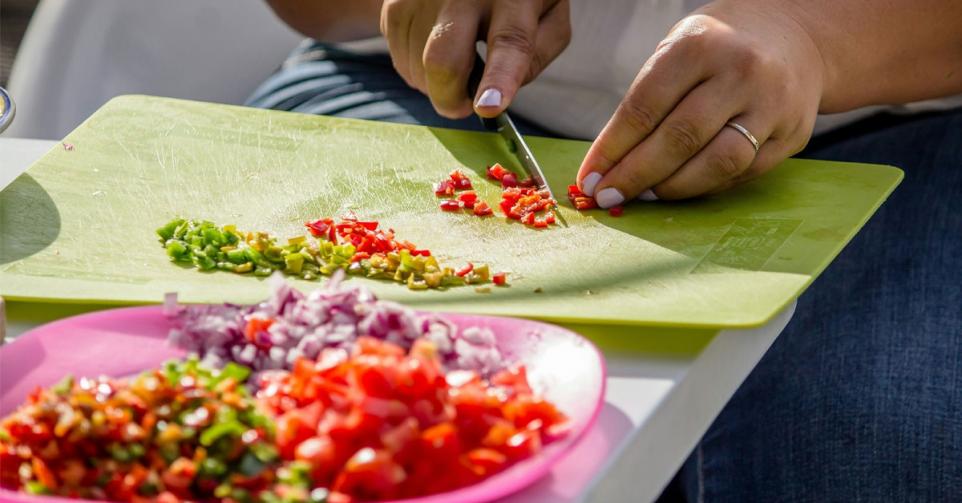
(432, 45)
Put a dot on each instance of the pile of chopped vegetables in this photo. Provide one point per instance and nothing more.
(458, 186)
(523, 201)
(182, 432)
(358, 247)
(385, 423)
(520, 201)
(291, 325)
(355, 400)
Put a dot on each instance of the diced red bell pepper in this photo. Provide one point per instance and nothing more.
(584, 203)
(540, 223)
(616, 211)
(500, 278)
(529, 219)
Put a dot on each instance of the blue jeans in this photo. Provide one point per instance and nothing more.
(860, 398)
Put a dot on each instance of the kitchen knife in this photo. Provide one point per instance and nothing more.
(503, 125)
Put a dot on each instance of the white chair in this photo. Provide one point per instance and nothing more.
(76, 55)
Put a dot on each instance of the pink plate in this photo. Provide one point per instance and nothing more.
(563, 366)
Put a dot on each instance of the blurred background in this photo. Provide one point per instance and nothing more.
(14, 16)
(63, 59)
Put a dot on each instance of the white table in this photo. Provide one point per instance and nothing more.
(664, 389)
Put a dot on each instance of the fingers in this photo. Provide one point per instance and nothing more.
(511, 46)
(723, 161)
(679, 137)
(449, 55)
(554, 33)
(657, 90)
(396, 21)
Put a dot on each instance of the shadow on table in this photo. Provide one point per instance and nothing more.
(574, 472)
(29, 219)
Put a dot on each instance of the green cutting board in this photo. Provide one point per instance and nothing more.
(79, 225)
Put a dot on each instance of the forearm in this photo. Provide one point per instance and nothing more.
(884, 51)
(330, 20)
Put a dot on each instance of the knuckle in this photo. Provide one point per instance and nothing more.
(724, 165)
(514, 38)
(683, 138)
(439, 66)
(638, 116)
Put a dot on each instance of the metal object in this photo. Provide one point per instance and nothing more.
(741, 129)
(8, 109)
(503, 125)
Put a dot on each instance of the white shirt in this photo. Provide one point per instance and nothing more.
(611, 40)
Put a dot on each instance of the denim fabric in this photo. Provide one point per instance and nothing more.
(325, 80)
(860, 399)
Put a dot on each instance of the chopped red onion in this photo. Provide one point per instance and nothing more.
(333, 316)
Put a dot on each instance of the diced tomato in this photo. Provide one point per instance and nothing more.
(488, 460)
(450, 205)
(465, 270)
(468, 198)
(509, 180)
(522, 444)
(370, 474)
(500, 278)
(616, 211)
(482, 209)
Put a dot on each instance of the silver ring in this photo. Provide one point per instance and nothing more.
(741, 129)
(8, 109)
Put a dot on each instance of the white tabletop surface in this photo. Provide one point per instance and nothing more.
(662, 392)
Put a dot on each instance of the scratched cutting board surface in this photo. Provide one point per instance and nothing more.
(79, 225)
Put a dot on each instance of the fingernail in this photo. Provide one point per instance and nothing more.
(590, 182)
(609, 197)
(648, 195)
(491, 97)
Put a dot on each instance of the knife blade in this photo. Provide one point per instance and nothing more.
(503, 125)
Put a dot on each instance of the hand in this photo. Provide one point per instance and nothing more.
(432, 45)
(731, 61)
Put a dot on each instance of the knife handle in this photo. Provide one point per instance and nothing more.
(474, 80)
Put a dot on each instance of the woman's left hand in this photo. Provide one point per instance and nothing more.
(748, 63)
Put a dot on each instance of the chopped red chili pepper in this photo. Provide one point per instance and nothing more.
(497, 172)
(579, 200)
(460, 180)
(482, 209)
(450, 205)
(468, 198)
(444, 188)
(465, 270)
